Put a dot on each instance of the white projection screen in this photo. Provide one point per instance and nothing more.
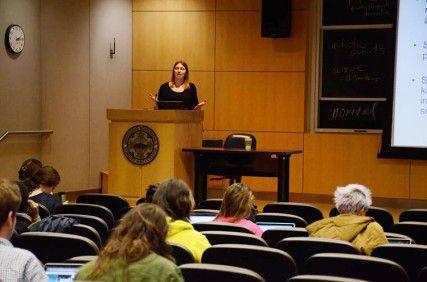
(409, 117)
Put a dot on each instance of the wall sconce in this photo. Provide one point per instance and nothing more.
(113, 48)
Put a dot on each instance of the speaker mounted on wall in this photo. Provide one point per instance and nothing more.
(276, 18)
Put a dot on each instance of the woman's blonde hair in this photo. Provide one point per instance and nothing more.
(186, 83)
(237, 202)
(143, 230)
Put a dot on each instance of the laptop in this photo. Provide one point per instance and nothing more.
(62, 272)
(196, 218)
(275, 225)
(170, 105)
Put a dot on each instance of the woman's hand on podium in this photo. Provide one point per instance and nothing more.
(200, 105)
(152, 97)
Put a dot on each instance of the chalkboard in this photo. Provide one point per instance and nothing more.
(352, 114)
(354, 12)
(357, 63)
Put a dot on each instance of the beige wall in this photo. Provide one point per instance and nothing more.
(263, 86)
(20, 86)
(80, 80)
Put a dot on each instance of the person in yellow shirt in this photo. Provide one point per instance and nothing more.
(176, 199)
(352, 202)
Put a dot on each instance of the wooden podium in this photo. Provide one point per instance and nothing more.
(175, 129)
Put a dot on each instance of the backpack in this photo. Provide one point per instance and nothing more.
(54, 223)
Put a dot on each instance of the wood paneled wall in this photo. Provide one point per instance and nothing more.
(257, 85)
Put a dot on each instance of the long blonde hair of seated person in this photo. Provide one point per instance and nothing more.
(143, 230)
(237, 203)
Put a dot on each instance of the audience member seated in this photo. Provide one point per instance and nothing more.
(46, 178)
(16, 264)
(352, 201)
(237, 207)
(175, 197)
(27, 207)
(152, 188)
(136, 251)
(27, 171)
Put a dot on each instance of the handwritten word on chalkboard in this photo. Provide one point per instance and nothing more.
(357, 63)
(354, 12)
(351, 114)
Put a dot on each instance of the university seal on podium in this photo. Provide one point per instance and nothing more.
(140, 145)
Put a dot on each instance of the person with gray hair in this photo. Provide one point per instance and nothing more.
(352, 202)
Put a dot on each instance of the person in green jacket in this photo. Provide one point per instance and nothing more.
(352, 202)
(176, 199)
(136, 251)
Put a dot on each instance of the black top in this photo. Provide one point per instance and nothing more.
(47, 200)
(188, 96)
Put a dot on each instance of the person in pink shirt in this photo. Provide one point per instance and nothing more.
(237, 207)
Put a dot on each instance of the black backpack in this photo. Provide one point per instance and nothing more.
(54, 223)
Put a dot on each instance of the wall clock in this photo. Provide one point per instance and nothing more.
(14, 38)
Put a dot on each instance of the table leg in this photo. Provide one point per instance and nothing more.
(283, 178)
(200, 180)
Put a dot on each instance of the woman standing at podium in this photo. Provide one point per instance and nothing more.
(179, 88)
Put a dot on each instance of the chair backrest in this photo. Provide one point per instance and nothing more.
(422, 276)
(181, 254)
(113, 202)
(411, 257)
(82, 259)
(24, 218)
(237, 141)
(274, 236)
(43, 211)
(414, 215)
(87, 209)
(210, 204)
(301, 248)
(55, 247)
(280, 217)
(270, 263)
(220, 226)
(382, 216)
(308, 212)
(202, 272)
(356, 266)
(100, 226)
(320, 278)
(414, 229)
(226, 237)
(86, 231)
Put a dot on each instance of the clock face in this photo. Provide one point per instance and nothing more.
(15, 39)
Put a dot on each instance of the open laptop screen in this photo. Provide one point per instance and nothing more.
(275, 225)
(195, 218)
(170, 105)
(62, 272)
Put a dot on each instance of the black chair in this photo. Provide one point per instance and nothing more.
(414, 215)
(204, 272)
(308, 212)
(270, 263)
(301, 248)
(98, 224)
(181, 254)
(123, 211)
(398, 236)
(87, 209)
(43, 211)
(24, 218)
(55, 247)
(226, 237)
(356, 266)
(414, 229)
(322, 278)
(210, 204)
(422, 276)
(281, 217)
(411, 257)
(82, 259)
(113, 202)
(220, 226)
(274, 236)
(86, 231)
(382, 216)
